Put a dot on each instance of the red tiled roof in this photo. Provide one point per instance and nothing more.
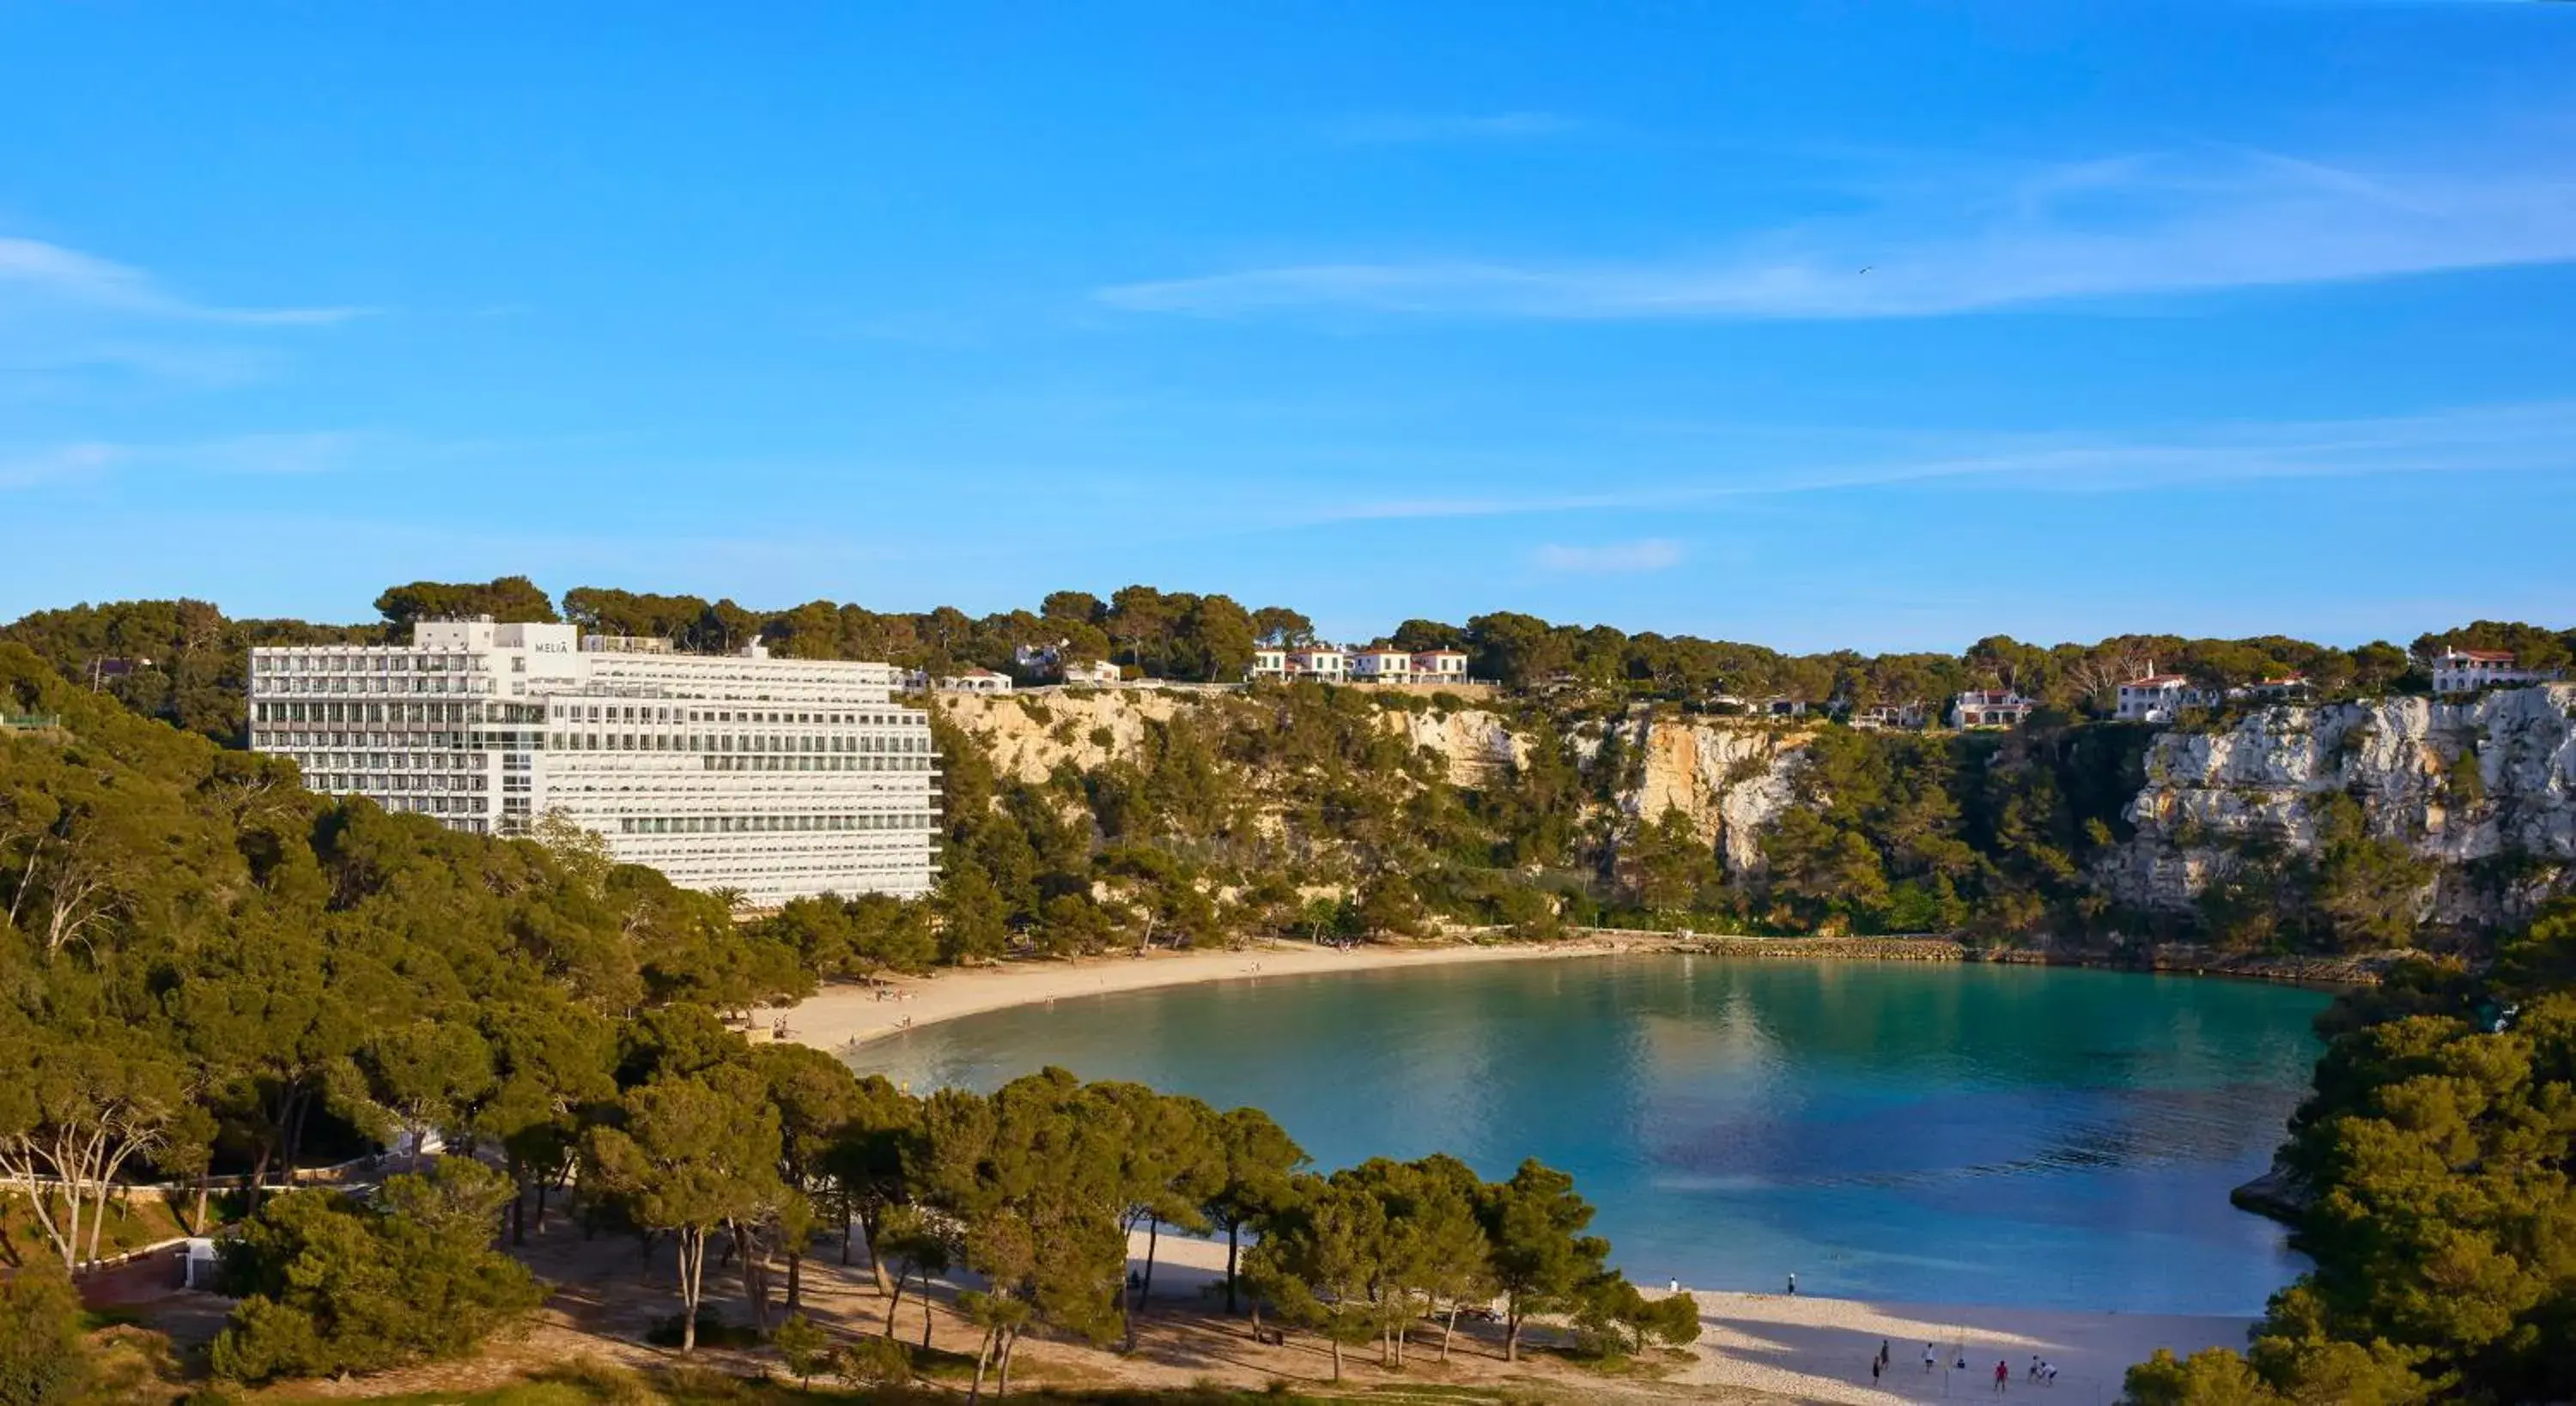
(2491, 656)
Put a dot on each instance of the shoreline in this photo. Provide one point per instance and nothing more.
(1810, 1347)
(844, 1015)
(841, 1016)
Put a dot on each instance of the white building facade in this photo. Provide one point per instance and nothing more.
(2468, 670)
(2158, 698)
(779, 778)
(1983, 708)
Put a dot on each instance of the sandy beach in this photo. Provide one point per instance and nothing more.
(839, 1016)
(1819, 1349)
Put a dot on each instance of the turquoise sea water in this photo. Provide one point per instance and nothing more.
(1913, 1132)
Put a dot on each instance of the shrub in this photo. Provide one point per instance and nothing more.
(43, 1360)
(331, 1284)
(873, 1362)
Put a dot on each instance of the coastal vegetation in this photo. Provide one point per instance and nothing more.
(208, 974)
(2433, 1163)
(211, 975)
(1311, 810)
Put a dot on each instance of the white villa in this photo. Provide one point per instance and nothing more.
(976, 681)
(1984, 708)
(2468, 670)
(2159, 698)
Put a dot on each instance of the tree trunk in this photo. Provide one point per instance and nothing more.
(1153, 1242)
(795, 1281)
(1448, 1330)
(205, 1192)
(1512, 1335)
(755, 1276)
(876, 1262)
(925, 1313)
(1010, 1343)
(258, 1175)
(897, 1301)
(693, 1252)
(1337, 1355)
(543, 1186)
(983, 1355)
(1232, 1232)
(519, 1217)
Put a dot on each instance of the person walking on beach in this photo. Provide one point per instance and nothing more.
(1927, 1359)
(2003, 1374)
(1874, 1369)
(1793, 1285)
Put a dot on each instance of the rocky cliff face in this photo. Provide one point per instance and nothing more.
(2490, 778)
(1730, 780)
(1473, 744)
(1030, 737)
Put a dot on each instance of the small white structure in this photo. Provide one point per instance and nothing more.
(1097, 672)
(1380, 664)
(1990, 707)
(976, 681)
(1439, 666)
(1909, 716)
(199, 1264)
(2159, 698)
(1323, 662)
(2278, 690)
(2468, 670)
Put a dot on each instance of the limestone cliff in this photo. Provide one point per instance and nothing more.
(1473, 743)
(1730, 779)
(1028, 736)
(2486, 779)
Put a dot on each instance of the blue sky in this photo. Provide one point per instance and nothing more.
(1874, 325)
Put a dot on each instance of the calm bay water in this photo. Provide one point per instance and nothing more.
(1919, 1132)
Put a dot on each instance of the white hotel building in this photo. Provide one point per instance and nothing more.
(779, 778)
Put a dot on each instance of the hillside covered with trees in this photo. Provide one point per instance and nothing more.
(207, 972)
(1313, 810)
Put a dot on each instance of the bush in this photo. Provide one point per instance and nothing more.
(330, 1284)
(713, 1331)
(805, 1349)
(873, 1362)
(43, 1360)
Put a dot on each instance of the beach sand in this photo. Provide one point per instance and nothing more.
(1819, 1349)
(842, 1015)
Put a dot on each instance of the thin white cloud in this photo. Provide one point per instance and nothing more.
(28, 468)
(2534, 438)
(34, 269)
(1651, 554)
(1419, 129)
(2125, 227)
(307, 452)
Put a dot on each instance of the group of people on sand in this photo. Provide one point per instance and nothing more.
(2042, 1371)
